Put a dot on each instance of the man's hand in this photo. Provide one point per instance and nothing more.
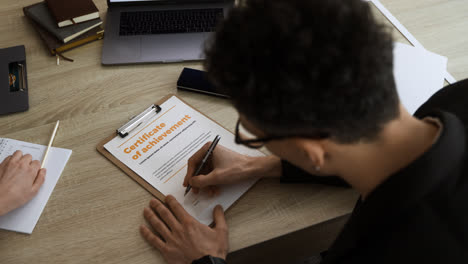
(226, 167)
(20, 180)
(179, 237)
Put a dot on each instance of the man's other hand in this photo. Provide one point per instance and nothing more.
(20, 180)
(179, 237)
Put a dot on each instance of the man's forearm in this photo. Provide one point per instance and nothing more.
(266, 167)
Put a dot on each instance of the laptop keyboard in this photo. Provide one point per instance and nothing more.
(169, 21)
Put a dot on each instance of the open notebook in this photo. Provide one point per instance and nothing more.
(24, 219)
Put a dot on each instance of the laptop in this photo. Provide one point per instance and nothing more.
(161, 31)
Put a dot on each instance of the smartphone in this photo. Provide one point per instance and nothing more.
(196, 81)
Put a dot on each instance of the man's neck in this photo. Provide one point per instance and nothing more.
(366, 165)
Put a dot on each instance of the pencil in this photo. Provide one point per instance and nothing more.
(50, 144)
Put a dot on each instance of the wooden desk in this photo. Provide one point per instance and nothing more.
(95, 210)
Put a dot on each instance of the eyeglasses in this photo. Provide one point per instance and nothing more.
(246, 138)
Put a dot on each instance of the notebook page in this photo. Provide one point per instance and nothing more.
(24, 219)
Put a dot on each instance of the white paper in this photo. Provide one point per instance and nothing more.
(448, 77)
(168, 140)
(418, 74)
(24, 218)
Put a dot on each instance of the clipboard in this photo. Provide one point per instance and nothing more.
(100, 148)
(13, 93)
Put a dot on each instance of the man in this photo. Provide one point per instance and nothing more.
(20, 180)
(312, 82)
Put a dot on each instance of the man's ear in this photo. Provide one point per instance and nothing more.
(313, 151)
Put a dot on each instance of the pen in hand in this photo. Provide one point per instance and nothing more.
(204, 160)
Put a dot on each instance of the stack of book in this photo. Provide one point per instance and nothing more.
(64, 25)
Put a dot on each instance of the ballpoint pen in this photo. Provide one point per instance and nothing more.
(204, 160)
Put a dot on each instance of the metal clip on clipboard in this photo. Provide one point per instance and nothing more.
(138, 120)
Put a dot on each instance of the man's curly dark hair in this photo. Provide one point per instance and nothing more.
(306, 67)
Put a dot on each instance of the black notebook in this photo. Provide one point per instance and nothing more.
(41, 14)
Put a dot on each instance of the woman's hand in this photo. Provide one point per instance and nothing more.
(20, 180)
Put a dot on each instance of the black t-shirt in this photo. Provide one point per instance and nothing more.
(420, 213)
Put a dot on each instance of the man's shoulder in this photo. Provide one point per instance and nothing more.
(452, 98)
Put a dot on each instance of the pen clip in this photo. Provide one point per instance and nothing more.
(211, 148)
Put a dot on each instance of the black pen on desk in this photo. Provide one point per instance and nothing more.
(204, 160)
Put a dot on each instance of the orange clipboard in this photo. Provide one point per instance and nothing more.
(100, 148)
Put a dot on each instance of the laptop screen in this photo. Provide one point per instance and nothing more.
(115, 1)
(120, 1)
(130, 1)
(150, 2)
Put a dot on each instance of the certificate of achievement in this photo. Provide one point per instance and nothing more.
(159, 149)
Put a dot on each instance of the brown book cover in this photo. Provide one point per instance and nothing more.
(42, 16)
(69, 12)
(56, 46)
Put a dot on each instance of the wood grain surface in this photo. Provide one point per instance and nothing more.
(95, 210)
